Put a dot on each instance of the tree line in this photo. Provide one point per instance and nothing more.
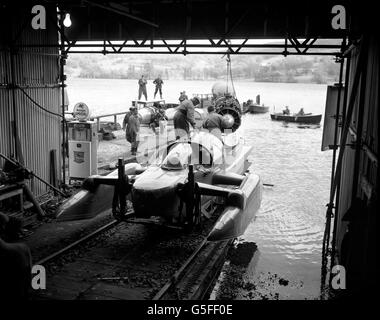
(205, 67)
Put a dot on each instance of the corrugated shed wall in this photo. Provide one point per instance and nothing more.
(36, 71)
(358, 249)
(6, 144)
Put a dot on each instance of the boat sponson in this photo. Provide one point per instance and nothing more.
(95, 197)
(86, 204)
(235, 218)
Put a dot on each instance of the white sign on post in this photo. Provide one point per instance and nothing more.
(81, 111)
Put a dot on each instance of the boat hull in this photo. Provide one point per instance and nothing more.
(311, 119)
(258, 109)
(156, 191)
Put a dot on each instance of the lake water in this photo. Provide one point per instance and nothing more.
(288, 229)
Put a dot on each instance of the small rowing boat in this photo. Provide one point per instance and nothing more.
(306, 118)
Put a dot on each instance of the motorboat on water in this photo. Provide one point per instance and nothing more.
(255, 107)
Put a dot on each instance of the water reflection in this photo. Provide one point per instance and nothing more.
(288, 229)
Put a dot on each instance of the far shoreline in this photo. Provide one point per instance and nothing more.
(210, 80)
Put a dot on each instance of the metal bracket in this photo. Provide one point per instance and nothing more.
(122, 188)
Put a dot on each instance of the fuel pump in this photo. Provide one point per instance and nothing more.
(83, 144)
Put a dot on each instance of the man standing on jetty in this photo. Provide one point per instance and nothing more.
(131, 124)
(142, 87)
(158, 82)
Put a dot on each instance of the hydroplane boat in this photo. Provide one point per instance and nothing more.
(177, 183)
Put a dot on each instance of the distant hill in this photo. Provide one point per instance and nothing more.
(309, 69)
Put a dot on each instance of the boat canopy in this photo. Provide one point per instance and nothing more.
(203, 149)
(210, 142)
(182, 154)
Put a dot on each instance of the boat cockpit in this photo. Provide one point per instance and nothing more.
(182, 154)
(203, 150)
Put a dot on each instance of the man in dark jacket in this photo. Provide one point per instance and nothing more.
(183, 116)
(127, 115)
(142, 87)
(301, 112)
(213, 122)
(132, 130)
(158, 82)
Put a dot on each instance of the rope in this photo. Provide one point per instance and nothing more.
(38, 105)
(232, 81)
(229, 73)
(228, 62)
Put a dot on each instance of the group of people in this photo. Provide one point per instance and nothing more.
(158, 82)
(286, 112)
(131, 125)
(183, 119)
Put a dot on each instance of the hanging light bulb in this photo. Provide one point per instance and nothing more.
(67, 21)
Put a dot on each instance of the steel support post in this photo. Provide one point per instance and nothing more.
(62, 62)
